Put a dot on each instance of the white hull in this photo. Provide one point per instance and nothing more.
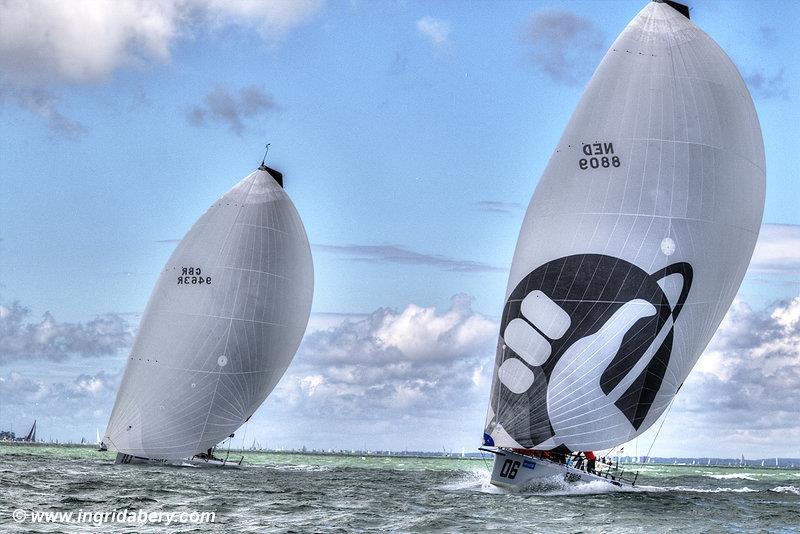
(187, 462)
(518, 471)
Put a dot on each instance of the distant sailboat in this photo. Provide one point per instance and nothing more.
(30, 437)
(633, 247)
(223, 322)
(101, 446)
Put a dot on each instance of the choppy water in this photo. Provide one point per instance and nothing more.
(315, 493)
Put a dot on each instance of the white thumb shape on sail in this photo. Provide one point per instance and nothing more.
(223, 322)
(654, 195)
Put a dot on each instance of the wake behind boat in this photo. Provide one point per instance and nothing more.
(632, 249)
(221, 326)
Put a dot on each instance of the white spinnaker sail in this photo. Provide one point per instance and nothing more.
(634, 244)
(223, 322)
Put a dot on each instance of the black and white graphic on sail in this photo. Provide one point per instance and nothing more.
(634, 244)
(221, 326)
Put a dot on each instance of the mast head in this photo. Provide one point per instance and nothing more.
(278, 176)
(683, 9)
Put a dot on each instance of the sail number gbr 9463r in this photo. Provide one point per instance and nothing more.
(598, 155)
(192, 276)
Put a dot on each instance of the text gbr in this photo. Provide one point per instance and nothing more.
(192, 275)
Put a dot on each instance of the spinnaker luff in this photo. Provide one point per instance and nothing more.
(634, 244)
(221, 326)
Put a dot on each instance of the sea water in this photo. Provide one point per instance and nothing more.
(276, 492)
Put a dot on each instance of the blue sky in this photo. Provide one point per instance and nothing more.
(411, 136)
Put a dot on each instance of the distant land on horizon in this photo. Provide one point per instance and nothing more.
(772, 462)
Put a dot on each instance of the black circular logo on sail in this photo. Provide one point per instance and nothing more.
(589, 288)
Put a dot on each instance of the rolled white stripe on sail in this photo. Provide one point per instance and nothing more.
(529, 344)
(545, 314)
(515, 376)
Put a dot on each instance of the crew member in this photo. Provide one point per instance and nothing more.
(578, 460)
(590, 461)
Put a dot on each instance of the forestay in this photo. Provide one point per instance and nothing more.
(222, 324)
(634, 244)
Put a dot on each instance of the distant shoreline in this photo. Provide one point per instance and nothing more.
(727, 463)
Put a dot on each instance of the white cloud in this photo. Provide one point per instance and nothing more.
(44, 43)
(21, 339)
(745, 390)
(17, 389)
(777, 250)
(273, 17)
(86, 40)
(82, 40)
(437, 31)
(412, 369)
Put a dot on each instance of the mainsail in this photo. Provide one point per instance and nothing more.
(634, 244)
(221, 326)
(31, 435)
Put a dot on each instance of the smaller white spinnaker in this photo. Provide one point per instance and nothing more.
(223, 322)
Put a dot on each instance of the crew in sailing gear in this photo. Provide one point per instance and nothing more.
(578, 460)
(590, 461)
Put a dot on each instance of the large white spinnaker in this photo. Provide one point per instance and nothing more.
(634, 244)
(223, 322)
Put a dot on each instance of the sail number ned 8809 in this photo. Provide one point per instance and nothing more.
(599, 155)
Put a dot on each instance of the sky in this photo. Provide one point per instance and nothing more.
(411, 136)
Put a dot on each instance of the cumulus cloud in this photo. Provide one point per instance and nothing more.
(746, 387)
(80, 41)
(559, 43)
(391, 364)
(232, 110)
(44, 44)
(18, 389)
(42, 41)
(437, 31)
(394, 254)
(777, 250)
(767, 86)
(21, 339)
(65, 408)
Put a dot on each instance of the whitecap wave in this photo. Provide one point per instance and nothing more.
(745, 489)
(556, 486)
(786, 489)
(298, 467)
(729, 476)
(477, 480)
